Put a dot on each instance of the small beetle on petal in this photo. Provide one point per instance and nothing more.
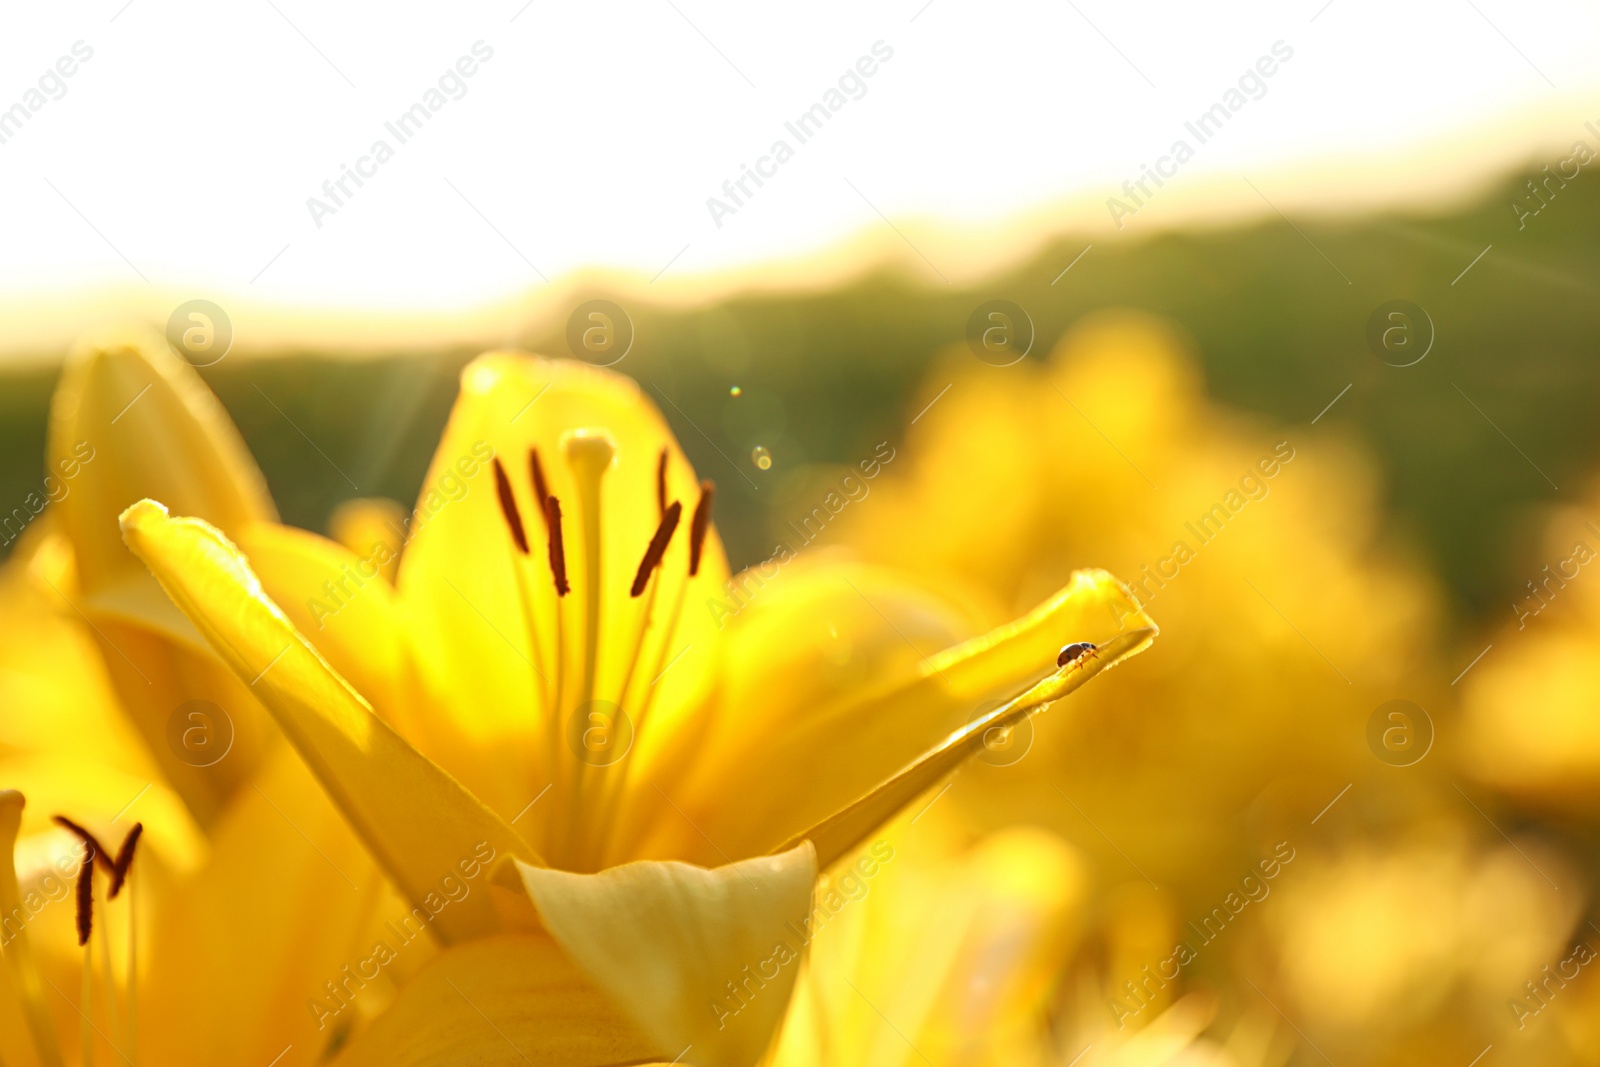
(1075, 651)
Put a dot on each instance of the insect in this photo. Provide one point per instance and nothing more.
(1074, 652)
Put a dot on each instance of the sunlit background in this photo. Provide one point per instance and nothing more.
(1356, 312)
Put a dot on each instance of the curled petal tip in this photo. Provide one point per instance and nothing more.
(1077, 671)
(136, 516)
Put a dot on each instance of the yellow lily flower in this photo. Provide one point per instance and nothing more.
(929, 952)
(67, 744)
(547, 633)
(130, 420)
(932, 951)
(275, 877)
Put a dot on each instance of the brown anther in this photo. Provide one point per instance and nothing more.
(657, 549)
(661, 484)
(85, 900)
(93, 849)
(124, 861)
(558, 555)
(508, 507)
(94, 852)
(541, 488)
(700, 526)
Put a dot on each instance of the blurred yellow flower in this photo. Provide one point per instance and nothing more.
(1374, 941)
(1529, 709)
(373, 528)
(1287, 624)
(1292, 622)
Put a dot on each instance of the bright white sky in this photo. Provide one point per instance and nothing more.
(182, 154)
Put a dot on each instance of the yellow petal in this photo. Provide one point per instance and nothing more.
(419, 822)
(74, 749)
(339, 600)
(501, 1000)
(843, 831)
(131, 419)
(703, 960)
(157, 676)
(796, 754)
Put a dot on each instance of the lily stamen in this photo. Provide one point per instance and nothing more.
(92, 850)
(95, 848)
(86, 996)
(519, 534)
(558, 573)
(661, 485)
(541, 488)
(124, 861)
(558, 554)
(116, 869)
(657, 547)
(654, 553)
(508, 507)
(85, 916)
(700, 526)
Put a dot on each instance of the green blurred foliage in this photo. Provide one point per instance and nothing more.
(1278, 312)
